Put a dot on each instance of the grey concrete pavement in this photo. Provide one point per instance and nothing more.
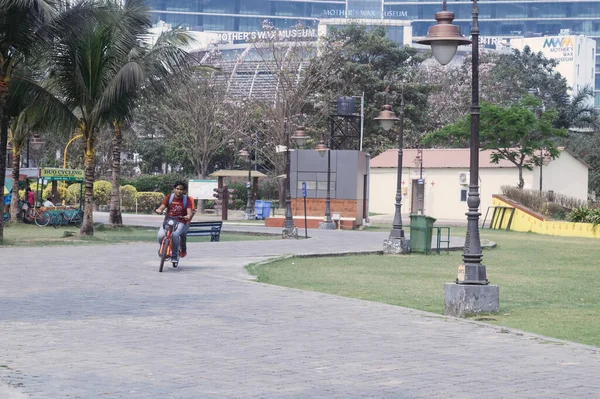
(101, 322)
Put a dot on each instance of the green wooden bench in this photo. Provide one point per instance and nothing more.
(212, 229)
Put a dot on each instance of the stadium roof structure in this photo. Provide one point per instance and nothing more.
(251, 72)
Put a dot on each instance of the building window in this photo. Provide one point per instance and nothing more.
(463, 195)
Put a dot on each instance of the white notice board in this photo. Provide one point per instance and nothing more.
(202, 189)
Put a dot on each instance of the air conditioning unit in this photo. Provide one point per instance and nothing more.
(463, 178)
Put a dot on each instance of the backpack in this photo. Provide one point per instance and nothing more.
(184, 200)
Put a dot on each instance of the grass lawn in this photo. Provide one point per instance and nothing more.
(548, 285)
(26, 235)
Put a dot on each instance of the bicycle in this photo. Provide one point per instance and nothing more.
(170, 224)
(76, 218)
(39, 216)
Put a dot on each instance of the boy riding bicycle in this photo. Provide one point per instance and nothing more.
(179, 206)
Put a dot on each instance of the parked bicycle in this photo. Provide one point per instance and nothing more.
(40, 216)
(75, 217)
(170, 224)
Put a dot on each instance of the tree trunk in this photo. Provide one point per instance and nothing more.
(201, 204)
(521, 180)
(115, 217)
(14, 202)
(87, 228)
(3, 144)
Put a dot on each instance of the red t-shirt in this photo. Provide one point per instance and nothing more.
(176, 208)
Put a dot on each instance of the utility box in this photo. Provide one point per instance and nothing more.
(348, 187)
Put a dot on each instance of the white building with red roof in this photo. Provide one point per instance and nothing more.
(445, 178)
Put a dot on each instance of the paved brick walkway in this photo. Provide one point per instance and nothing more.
(101, 322)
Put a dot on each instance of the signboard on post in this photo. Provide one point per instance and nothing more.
(59, 174)
(202, 189)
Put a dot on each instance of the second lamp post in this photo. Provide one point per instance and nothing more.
(300, 136)
(396, 243)
(322, 148)
(249, 213)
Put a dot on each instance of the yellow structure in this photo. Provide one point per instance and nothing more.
(528, 221)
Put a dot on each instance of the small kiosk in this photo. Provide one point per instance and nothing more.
(53, 176)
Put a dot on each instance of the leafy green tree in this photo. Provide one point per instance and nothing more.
(514, 133)
(158, 62)
(364, 60)
(587, 148)
(21, 127)
(511, 76)
(26, 28)
(94, 74)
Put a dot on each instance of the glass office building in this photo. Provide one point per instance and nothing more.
(498, 18)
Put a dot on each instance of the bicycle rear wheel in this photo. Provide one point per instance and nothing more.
(43, 219)
(56, 221)
(164, 246)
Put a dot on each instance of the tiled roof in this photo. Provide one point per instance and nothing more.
(437, 158)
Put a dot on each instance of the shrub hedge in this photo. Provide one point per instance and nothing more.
(148, 201)
(555, 206)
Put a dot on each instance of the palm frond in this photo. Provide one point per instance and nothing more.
(118, 95)
(43, 108)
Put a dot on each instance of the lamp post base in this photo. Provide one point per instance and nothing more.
(289, 233)
(396, 246)
(327, 225)
(249, 216)
(461, 300)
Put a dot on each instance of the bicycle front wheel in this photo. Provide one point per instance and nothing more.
(77, 220)
(56, 221)
(43, 219)
(164, 250)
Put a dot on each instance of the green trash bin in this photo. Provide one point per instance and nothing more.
(421, 233)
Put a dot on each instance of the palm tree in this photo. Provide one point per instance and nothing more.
(26, 26)
(32, 109)
(160, 62)
(580, 115)
(19, 131)
(94, 72)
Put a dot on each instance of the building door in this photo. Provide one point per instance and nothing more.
(417, 196)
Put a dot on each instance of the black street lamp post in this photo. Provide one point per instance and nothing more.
(472, 292)
(321, 148)
(249, 213)
(289, 230)
(396, 243)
